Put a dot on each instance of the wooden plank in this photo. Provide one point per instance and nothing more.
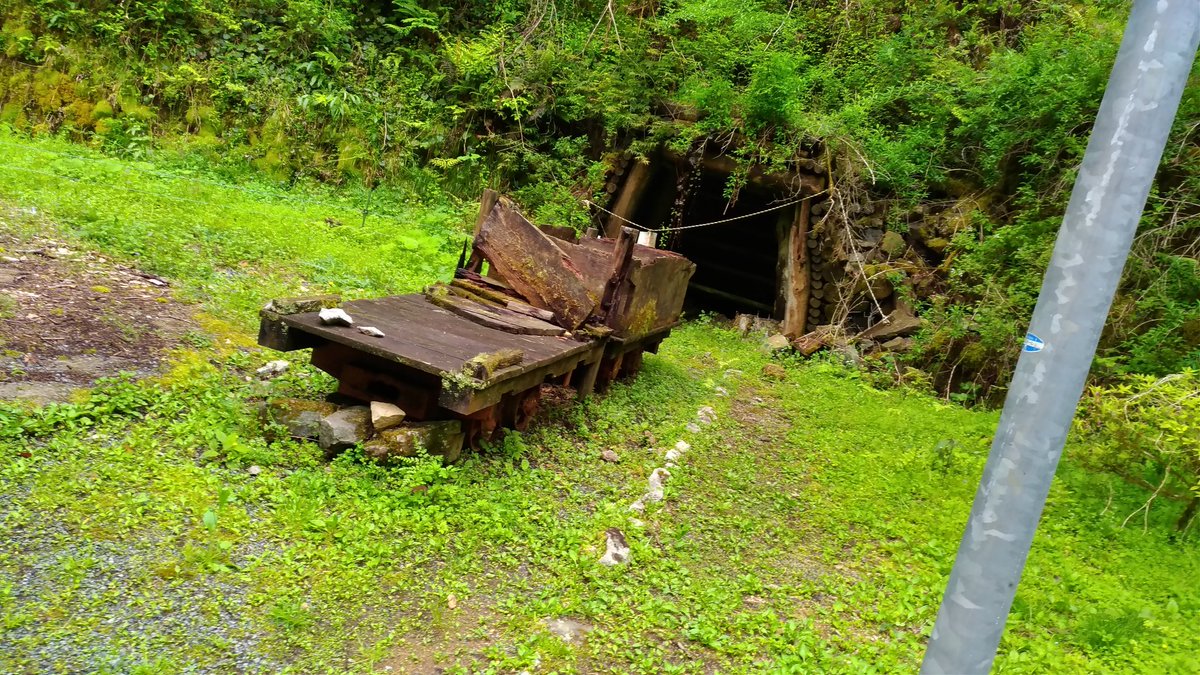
(467, 401)
(534, 266)
(797, 278)
(475, 277)
(616, 295)
(560, 232)
(499, 318)
(487, 201)
(530, 310)
(587, 383)
(502, 303)
(426, 338)
(273, 333)
(484, 366)
(423, 324)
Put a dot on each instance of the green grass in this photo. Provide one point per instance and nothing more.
(810, 529)
(232, 244)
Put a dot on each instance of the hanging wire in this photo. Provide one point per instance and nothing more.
(643, 228)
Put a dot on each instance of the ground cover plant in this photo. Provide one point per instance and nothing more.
(809, 529)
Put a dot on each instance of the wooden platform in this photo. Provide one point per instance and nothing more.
(424, 347)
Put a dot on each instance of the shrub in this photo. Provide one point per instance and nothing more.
(1147, 431)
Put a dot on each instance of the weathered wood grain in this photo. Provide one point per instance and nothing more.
(616, 294)
(534, 266)
(499, 318)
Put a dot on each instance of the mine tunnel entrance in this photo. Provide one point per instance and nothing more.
(737, 263)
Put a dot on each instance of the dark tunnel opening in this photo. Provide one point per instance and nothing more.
(737, 261)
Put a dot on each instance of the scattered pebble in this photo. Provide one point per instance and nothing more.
(774, 371)
(372, 331)
(452, 601)
(638, 506)
(693, 428)
(722, 391)
(776, 342)
(657, 478)
(683, 446)
(273, 368)
(610, 456)
(706, 415)
(673, 455)
(335, 317)
(569, 630)
(734, 372)
(636, 522)
(616, 550)
(754, 601)
(254, 470)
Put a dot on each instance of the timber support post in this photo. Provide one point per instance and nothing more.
(629, 198)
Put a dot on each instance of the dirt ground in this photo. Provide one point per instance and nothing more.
(68, 318)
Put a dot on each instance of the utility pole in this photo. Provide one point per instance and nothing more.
(1122, 156)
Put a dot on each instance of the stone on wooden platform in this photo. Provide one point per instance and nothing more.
(335, 317)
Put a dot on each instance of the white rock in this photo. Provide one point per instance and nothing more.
(610, 456)
(254, 470)
(335, 316)
(273, 368)
(776, 343)
(706, 415)
(638, 506)
(657, 478)
(636, 522)
(683, 446)
(569, 630)
(371, 331)
(616, 550)
(386, 415)
(673, 455)
(721, 391)
(692, 427)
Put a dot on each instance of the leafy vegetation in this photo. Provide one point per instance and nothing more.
(1145, 430)
(811, 528)
(982, 106)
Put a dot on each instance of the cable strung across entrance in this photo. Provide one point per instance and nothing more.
(731, 219)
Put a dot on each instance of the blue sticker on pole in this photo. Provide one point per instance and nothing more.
(1033, 343)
